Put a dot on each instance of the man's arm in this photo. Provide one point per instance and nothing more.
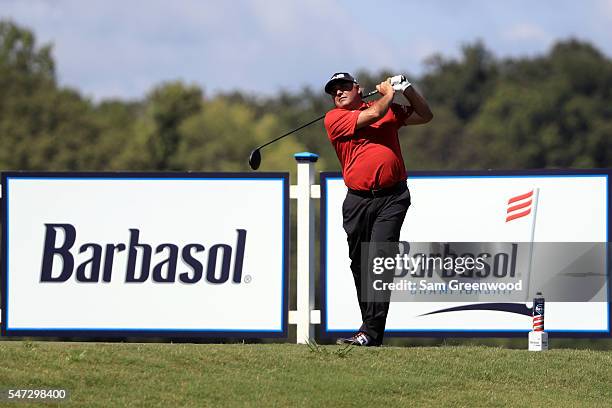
(378, 108)
(422, 113)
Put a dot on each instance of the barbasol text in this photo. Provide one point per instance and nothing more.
(188, 264)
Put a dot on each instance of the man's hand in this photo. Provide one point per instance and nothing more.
(379, 108)
(385, 88)
(399, 83)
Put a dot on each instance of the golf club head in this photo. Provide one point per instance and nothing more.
(255, 159)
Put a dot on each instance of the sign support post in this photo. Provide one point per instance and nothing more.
(305, 317)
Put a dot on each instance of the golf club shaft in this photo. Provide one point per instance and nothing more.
(292, 131)
(305, 125)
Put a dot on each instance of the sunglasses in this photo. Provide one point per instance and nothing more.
(342, 86)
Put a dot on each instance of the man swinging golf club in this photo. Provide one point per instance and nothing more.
(365, 137)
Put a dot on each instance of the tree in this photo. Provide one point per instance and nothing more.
(548, 112)
(222, 135)
(156, 132)
(463, 84)
(553, 110)
(41, 127)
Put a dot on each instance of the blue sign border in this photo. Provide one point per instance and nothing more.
(325, 176)
(172, 333)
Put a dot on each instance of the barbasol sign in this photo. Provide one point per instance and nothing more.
(120, 254)
(521, 218)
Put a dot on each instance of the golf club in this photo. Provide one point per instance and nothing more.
(255, 157)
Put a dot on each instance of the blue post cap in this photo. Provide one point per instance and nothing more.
(305, 157)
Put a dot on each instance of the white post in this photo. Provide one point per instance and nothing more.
(305, 316)
(536, 193)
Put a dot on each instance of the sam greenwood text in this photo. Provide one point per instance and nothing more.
(453, 285)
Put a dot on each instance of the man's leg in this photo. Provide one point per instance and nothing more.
(386, 229)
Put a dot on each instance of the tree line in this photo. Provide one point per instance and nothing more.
(548, 111)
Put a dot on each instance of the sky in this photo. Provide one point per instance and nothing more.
(123, 49)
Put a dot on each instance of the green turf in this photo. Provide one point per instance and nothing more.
(169, 375)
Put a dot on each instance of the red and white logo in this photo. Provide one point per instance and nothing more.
(519, 206)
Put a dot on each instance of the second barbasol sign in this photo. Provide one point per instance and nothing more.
(156, 254)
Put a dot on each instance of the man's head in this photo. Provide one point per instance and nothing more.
(345, 90)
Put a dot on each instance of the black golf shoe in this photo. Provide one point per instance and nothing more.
(359, 339)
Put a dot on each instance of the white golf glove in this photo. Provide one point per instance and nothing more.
(400, 83)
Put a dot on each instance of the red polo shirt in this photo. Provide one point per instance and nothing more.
(371, 157)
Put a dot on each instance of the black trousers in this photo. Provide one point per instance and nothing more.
(376, 220)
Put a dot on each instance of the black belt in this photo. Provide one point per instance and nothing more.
(382, 192)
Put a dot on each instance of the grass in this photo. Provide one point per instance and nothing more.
(169, 375)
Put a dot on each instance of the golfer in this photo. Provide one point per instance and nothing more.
(364, 135)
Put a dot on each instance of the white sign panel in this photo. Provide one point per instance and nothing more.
(475, 208)
(156, 254)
